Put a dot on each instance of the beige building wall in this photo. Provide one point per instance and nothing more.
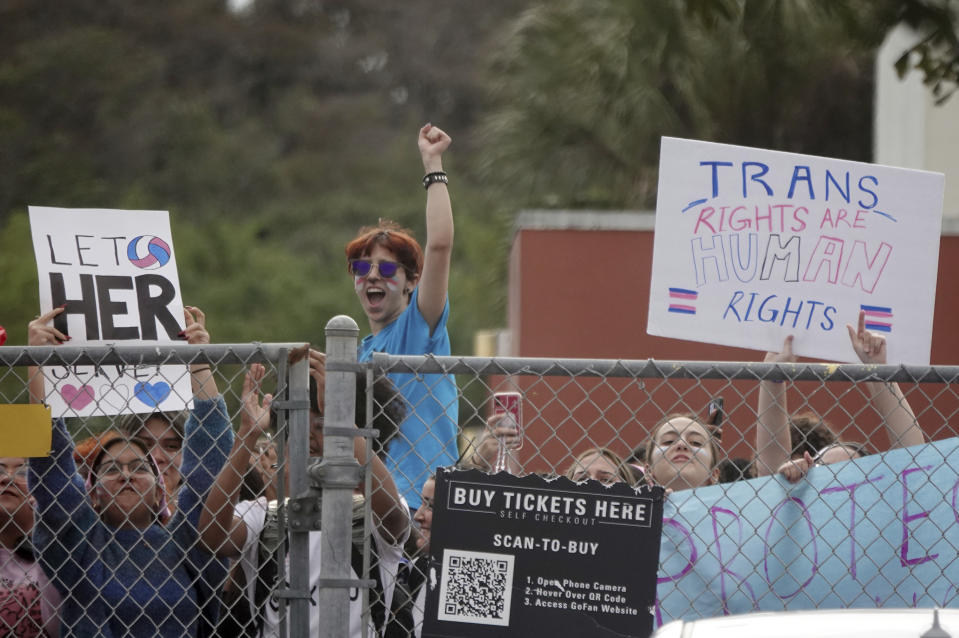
(910, 129)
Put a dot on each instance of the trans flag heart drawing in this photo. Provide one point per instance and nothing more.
(152, 394)
(77, 398)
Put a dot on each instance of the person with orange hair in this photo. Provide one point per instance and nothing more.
(403, 291)
(89, 448)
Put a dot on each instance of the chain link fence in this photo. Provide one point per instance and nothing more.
(105, 540)
(102, 536)
(878, 531)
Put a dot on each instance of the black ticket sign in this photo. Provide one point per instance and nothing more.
(529, 556)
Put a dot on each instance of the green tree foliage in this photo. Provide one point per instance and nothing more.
(273, 133)
(936, 55)
(584, 90)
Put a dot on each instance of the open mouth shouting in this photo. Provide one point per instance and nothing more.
(375, 296)
(382, 298)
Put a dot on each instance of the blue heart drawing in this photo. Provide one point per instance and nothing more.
(153, 394)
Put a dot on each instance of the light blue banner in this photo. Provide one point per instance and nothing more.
(882, 531)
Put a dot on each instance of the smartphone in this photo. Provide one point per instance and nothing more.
(716, 413)
(510, 403)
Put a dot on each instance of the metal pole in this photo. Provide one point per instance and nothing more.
(299, 451)
(160, 354)
(339, 474)
(655, 369)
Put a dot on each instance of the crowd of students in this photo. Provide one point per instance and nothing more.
(169, 525)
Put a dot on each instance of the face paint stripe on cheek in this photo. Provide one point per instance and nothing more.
(694, 445)
(358, 282)
(392, 284)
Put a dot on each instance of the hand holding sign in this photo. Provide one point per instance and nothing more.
(795, 469)
(900, 422)
(203, 381)
(195, 331)
(773, 444)
(40, 333)
(869, 347)
(785, 355)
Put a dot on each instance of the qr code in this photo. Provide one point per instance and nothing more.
(476, 587)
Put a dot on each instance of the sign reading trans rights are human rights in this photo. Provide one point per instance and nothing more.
(753, 245)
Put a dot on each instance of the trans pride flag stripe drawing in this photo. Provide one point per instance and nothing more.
(679, 295)
(878, 318)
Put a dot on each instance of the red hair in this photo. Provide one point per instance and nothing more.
(90, 448)
(393, 237)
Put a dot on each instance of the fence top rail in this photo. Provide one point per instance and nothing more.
(154, 354)
(654, 369)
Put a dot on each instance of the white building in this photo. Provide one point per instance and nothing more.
(910, 129)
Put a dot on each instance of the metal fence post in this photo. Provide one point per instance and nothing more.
(339, 474)
(299, 447)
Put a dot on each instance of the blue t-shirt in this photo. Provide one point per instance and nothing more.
(427, 437)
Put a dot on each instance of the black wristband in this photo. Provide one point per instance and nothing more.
(432, 178)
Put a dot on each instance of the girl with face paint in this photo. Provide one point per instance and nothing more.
(682, 453)
(120, 571)
(403, 291)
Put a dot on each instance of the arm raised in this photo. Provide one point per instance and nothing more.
(221, 532)
(773, 443)
(434, 282)
(897, 415)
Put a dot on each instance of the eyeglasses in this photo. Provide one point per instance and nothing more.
(112, 469)
(19, 474)
(363, 267)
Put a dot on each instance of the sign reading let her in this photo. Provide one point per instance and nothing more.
(753, 245)
(115, 271)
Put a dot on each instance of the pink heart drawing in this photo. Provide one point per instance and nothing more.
(77, 398)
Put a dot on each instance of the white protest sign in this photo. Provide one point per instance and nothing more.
(753, 245)
(115, 271)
